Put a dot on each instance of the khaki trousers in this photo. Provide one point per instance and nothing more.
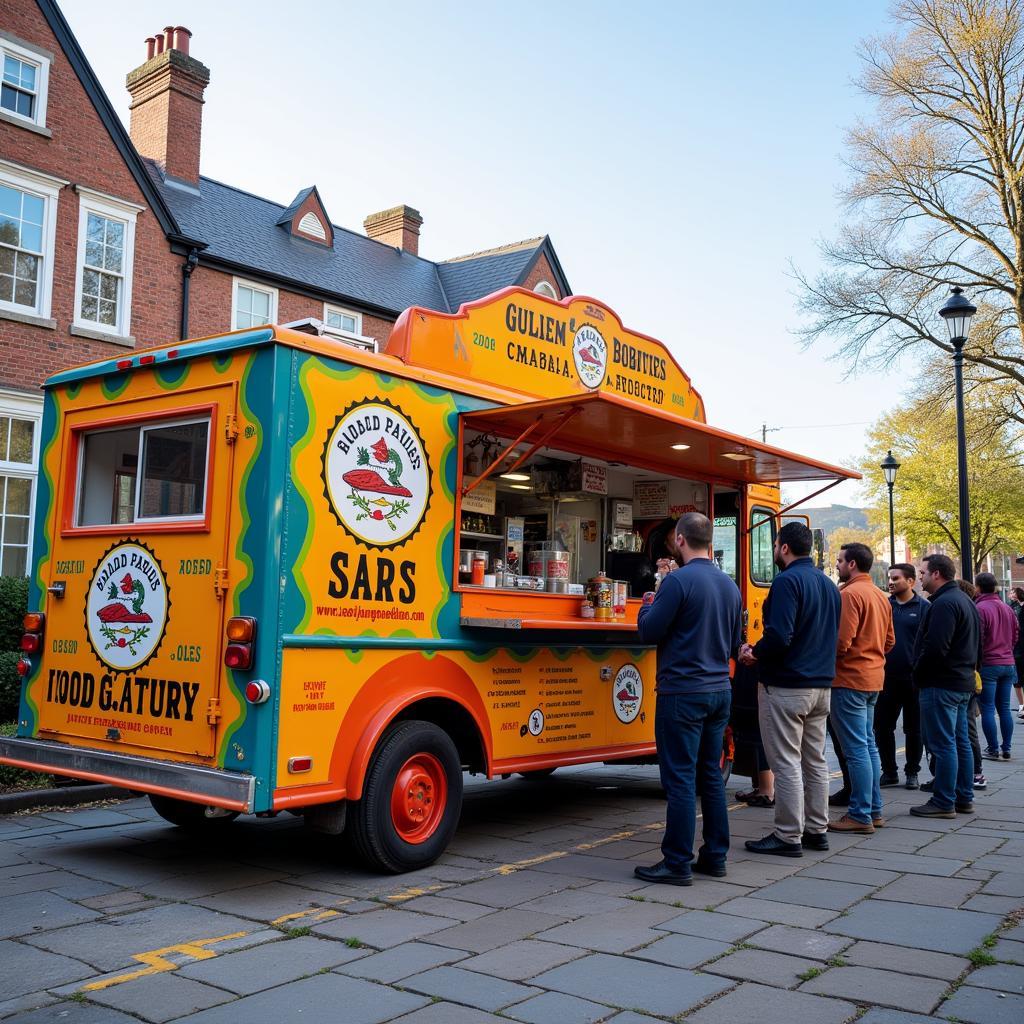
(793, 732)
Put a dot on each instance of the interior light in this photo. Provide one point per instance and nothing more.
(738, 456)
(514, 476)
(521, 487)
(680, 447)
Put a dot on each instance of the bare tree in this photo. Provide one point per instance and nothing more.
(936, 196)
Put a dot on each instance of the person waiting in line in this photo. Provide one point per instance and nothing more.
(796, 657)
(1018, 657)
(999, 635)
(945, 660)
(696, 621)
(865, 637)
(898, 695)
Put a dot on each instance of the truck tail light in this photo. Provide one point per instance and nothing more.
(34, 623)
(257, 692)
(241, 633)
(23, 667)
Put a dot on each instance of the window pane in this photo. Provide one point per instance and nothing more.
(25, 102)
(33, 208)
(6, 261)
(762, 556)
(19, 493)
(16, 529)
(243, 320)
(27, 266)
(12, 69)
(25, 293)
(115, 233)
(9, 97)
(90, 307)
(21, 442)
(245, 300)
(10, 201)
(28, 76)
(93, 254)
(174, 471)
(4, 426)
(14, 562)
(261, 305)
(32, 237)
(106, 456)
(8, 230)
(107, 313)
(108, 287)
(90, 282)
(724, 544)
(112, 258)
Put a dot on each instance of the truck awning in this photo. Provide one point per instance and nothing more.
(619, 430)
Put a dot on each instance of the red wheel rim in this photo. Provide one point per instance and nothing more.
(419, 798)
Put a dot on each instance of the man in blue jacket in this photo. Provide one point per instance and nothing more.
(696, 621)
(797, 660)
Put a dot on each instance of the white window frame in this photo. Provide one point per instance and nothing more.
(241, 282)
(23, 407)
(340, 310)
(546, 288)
(40, 60)
(113, 209)
(47, 189)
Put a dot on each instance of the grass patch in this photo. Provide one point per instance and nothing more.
(837, 961)
(76, 997)
(637, 899)
(990, 940)
(811, 972)
(980, 958)
(353, 943)
(297, 933)
(16, 780)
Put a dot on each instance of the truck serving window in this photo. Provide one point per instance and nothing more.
(762, 543)
(143, 473)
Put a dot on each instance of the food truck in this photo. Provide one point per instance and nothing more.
(275, 572)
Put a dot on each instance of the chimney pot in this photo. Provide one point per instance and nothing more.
(150, 48)
(158, 41)
(169, 37)
(181, 38)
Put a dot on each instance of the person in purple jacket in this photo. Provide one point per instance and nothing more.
(999, 632)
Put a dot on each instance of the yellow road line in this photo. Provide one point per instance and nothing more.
(412, 892)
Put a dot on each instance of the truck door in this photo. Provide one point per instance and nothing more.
(135, 606)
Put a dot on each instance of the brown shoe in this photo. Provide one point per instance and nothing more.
(848, 824)
(878, 822)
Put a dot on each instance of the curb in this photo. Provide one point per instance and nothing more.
(67, 796)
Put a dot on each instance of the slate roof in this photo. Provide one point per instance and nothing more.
(243, 233)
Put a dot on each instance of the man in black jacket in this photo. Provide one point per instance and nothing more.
(946, 655)
(797, 659)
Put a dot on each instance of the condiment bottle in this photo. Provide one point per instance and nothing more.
(479, 568)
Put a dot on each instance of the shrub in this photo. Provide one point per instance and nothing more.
(13, 605)
(18, 778)
(10, 686)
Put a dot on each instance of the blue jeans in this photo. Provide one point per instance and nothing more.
(996, 683)
(853, 718)
(944, 724)
(688, 729)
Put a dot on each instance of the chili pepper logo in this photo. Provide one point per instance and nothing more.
(590, 354)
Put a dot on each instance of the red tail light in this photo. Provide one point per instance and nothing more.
(34, 623)
(238, 656)
(23, 667)
(257, 692)
(31, 643)
(241, 635)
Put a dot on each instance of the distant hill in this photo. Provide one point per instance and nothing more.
(835, 517)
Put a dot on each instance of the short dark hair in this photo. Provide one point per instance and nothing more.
(904, 569)
(986, 582)
(696, 530)
(942, 564)
(798, 538)
(859, 553)
(968, 588)
(1018, 592)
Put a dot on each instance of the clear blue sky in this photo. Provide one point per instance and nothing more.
(679, 155)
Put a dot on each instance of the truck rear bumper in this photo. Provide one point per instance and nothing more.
(234, 791)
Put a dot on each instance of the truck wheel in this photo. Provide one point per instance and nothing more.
(412, 797)
(188, 815)
(725, 767)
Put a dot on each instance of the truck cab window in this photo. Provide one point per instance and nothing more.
(725, 545)
(762, 542)
(116, 486)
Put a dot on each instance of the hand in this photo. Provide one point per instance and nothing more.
(648, 597)
(666, 565)
(747, 655)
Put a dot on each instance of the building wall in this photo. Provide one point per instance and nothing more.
(542, 272)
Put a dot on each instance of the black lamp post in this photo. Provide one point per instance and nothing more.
(957, 313)
(889, 467)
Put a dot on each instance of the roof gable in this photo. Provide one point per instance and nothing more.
(307, 218)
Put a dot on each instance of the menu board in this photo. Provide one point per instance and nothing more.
(650, 499)
(481, 499)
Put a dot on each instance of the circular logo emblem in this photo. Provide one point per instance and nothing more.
(127, 607)
(376, 474)
(590, 354)
(536, 723)
(627, 693)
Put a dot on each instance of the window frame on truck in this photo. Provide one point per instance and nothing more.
(75, 469)
(761, 517)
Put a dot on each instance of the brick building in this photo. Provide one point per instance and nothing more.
(113, 239)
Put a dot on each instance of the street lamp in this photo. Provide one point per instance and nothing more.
(889, 467)
(957, 313)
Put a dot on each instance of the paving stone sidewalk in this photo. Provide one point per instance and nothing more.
(110, 915)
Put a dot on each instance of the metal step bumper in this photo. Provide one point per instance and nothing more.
(232, 790)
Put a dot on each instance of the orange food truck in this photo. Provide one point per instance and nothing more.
(274, 572)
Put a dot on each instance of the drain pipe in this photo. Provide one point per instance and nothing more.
(190, 264)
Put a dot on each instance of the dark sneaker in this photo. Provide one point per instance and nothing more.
(1006, 755)
(889, 779)
(965, 808)
(662, 874)
(706, 868)
(990, 755)
(814, 841)
(771, 843)
(927, 787)
(848, 824)
(840, 798)
(912, 782)
(932, 810)
(980, 782)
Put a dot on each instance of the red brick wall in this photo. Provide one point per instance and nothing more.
(80, 151)
(542, 272)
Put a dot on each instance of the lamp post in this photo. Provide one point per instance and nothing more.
(957, 313)
(889, 467)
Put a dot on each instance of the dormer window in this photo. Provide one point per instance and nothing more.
(311, 225)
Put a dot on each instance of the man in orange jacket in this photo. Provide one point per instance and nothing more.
(865, 636)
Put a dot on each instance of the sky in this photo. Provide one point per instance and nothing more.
(680, 155)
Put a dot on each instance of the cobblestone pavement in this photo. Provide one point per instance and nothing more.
(110, 915)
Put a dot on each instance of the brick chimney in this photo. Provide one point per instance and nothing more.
(167, 104)
(399, 226)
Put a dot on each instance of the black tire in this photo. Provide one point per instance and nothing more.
(371, 826)
(188, 815)
(726, 769)
(537, 773)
